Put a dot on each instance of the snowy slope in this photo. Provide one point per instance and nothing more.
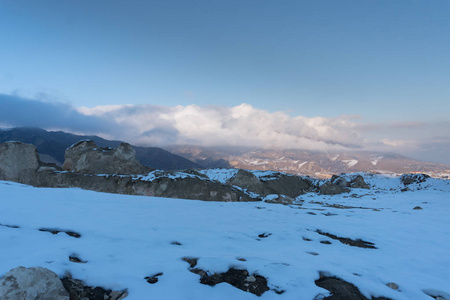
(126, 238)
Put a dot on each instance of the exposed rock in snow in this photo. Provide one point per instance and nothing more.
(392, 285)
(347, 241)
(280, 199)
(341, 289)
(30, 284)
(353, 181)
(408, 179)
(18, 161)
(358, 182)
(267, 183)
(329, 188)
(86, 158)
(79, 291)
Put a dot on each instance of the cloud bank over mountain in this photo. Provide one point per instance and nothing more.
(241, 125)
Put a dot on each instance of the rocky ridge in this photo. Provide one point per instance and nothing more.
(116, 170)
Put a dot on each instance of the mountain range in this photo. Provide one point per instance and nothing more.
(52, 145)
(311, 163)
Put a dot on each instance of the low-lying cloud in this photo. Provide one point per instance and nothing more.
(242, 125)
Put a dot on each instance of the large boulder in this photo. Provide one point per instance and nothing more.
(248, 181)
(18, 161)
(276, 183)
(329, 188)
(30, 284)
(358, 182)
(85, 157)
(288, 185)
(340, 181)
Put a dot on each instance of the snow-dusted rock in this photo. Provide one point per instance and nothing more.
(279, 199)
(30, 284)
(247, 180)
(86, 158)
(408, 179)
(353, 181)
(273, 183)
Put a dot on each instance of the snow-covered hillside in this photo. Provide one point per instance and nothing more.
(127, 238)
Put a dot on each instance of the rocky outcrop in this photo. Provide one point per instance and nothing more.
(114, 171)
(79, 291)
(357, 182)
(329, 188)
(31, 283)
(248, 181)
(165, 186)
(352, 181)
(408, 179)
(18, 161)
(280, 184)
(85, 157)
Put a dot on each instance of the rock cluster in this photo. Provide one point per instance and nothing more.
(408, 179)
(340, 184)
(239, 278)
(100, 170)
(40, 283)
(114, 171)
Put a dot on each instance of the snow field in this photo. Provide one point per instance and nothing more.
(126, 238)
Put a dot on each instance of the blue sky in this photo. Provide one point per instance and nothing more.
(385, 63)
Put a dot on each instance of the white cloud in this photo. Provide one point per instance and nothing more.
(241, 125)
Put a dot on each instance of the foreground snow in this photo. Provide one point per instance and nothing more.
(126, 238)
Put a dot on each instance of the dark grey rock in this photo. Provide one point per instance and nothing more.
(79, 291)
(340, 181)
(408, 179)
(247, 180)
(286, 185)
(342, 290)
(358, 182)
(347, 241)
(240, 279)
(154, 278)
(329, 188)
